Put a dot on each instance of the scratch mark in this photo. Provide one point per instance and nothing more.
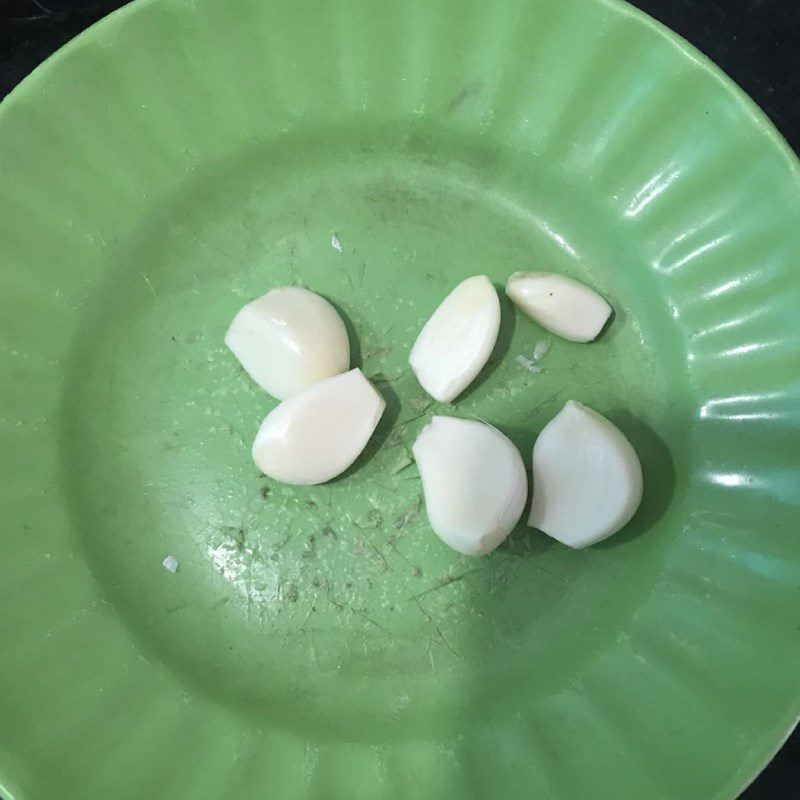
(362, 613)
(544, 402)
(501, 573)
(447, 643)
(305, 621)
(149, 284)
(380, 377)
(445, 582)
(378, 352)
(377, 552)
(410, 515)
(338, 605)
(422, 609)
(538, 566)
(403, 461)
(411, 419)
(214, 247)
(392, 542)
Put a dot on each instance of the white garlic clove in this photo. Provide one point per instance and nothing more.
(563, 306)
(457, 340)
(474, 483)
(587, 479)
(289, 339)
(316, 435)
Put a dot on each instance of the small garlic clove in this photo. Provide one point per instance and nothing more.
(316, 435)
(563, 306)
(474, 483)
(457, 340)
(587, 479)
(289, 339)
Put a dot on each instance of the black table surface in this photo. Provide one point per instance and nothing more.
(757, 42)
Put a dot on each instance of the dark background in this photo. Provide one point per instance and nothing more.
(757, 42)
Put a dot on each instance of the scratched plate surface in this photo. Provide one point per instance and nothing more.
(180, 159)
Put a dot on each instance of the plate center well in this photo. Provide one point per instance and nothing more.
(325, 608)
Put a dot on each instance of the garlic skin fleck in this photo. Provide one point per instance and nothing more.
(587, 479)
(474, 482)
(289, 339)
(316, 435)
(457, 340)
(563, 306)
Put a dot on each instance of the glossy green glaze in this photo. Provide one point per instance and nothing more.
(178, 160)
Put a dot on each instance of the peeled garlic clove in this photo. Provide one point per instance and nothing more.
(289, 339)
(317, 434)
(457, 340)
(474, 483)
(587, 479)
(564, 306)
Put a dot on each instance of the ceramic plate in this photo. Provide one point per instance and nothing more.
(179, 159)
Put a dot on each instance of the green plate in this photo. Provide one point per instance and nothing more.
(181, 158)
